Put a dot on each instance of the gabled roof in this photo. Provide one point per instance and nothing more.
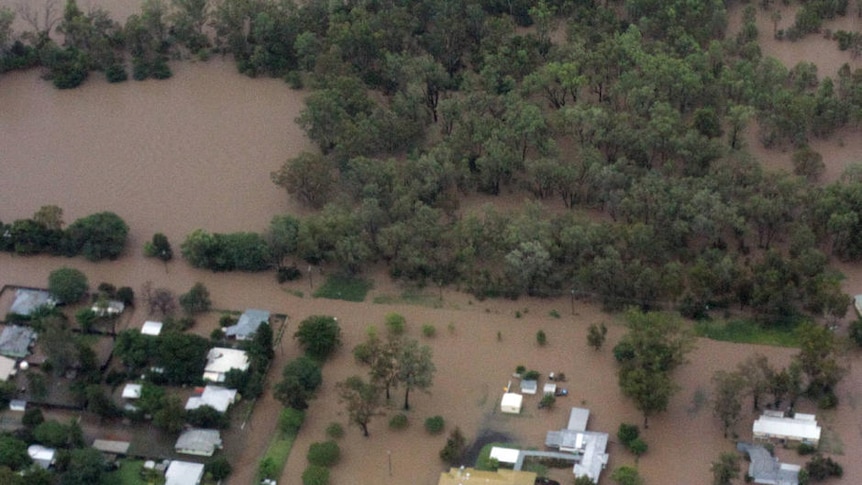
(529, 386)
(766, 469)
(15, 341)
(216, 397)
(202, 442)
(151, 328)
(184, 473)
(220, 360)
(247, 324)
(28, 300)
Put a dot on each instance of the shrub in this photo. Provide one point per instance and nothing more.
(126, 295)
(319, 336)
(325, 454)
(455, 447)
(290, 420)
(116, 73)
(541, 338)
(67, 285)
(227, 320)
(395, 324)
(288, 273)
(197, 300)
(315, 475)
(159, 68)
(820, 468)
(435, 424)
(520, 370)
(532, 375)
(627, 433)
(219, 468)
(547, 401)
(335, 430)
(554, 313)
(806, 449)
(428, 330)
(399, 421)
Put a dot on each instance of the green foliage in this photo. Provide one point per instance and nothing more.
(398, 422)
(627, 433)
(820, 468)
(197, 300)
(116, 73)
(315, 475)
(453, 451)
(428, 330)
(806, 449)
(325, 454)
(361, 400)
(319, 336)
(346, 288)
(32, 417)
(335, 431)
(309, 176)
(532, 375)
(207, 417)
(725, 469)
(554, 313)
(746, 331)
(86, 466)
(435, 424)
(547, 401)
(300, 379)
(13, 453)
(541, 338)
(219, 468)
(290, 420)
(626, 475)
(239, 251)
(395, 324)
(159, 247)
(596, 335)
(98, 236)
(67, 285)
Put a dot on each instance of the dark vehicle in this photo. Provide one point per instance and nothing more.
(546, 481)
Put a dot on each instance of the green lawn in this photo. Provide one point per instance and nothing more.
(748, 332)
(279, 450)
(339, 287)
(128, 474)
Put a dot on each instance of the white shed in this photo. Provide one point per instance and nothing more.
(511, 403)
(152, 328)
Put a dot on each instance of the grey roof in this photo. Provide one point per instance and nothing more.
(28, 300)
(199, 442)
(112, 446)
(247, 324)
(15, 341)
(184, 473)
(766, 469)
(578, 419)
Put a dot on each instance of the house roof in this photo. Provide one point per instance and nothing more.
(511, 400)
(529, 386)
(15, 341)
(151, 328)
(112, 307)
(27, 300)
(466, 476)
(7, 368)
(220, 360)
(132, 391)
(247, 324)
(42, 455)
(578, 419)
(766, 469)
(112, 446)
(800, 427)
(216, 397)
(184, 473)
(505, 455)
(199, 442)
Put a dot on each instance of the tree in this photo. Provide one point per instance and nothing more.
(86, 319)
(757, 374)
(49, 216)
(219, 468)
(596, 335)
(159, 247)
(290, 420)
(650, 390)
(67, 285)
(171, 416)
(85, 467)
(818, 359)
(319, 336)
(626, 475)
(456, 445)
(415, 369)
(382, 356)
(820, 468)
(361, 400)
(309, 176)
(13, 453)
(282, 238)
(728, 387)
(98, 236)
(159, 300)
(197, 300)
(300, 379)
(58, 343)
(725, 469)
(324, 453)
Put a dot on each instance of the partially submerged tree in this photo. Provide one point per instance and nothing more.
(197, 300)
(361, 400)
(67, 285)
(416, 369)
(319, 336)
(726, 405)
(725, 469)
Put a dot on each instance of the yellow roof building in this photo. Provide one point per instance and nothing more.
(469, 476)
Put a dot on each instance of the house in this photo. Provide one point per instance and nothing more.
(466, 476)
(108, 308)
(509, 456)
(201, 442)
(774, 425)
(247, 324)
(216, 397)
(7, 368)
(766, 469)
(221, 360)
(42, 456)
(511, 403)
(27, 300)
(112, 447)
(529, 386)
(184, 473)
(152, 328)
(16, 341)
(589, 447)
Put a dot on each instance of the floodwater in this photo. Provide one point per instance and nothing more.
(196, 151)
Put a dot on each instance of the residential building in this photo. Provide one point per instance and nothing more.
(184, 473)
(467, 476)
(201, 442)
(221, 360)
(247, 325)
(775, 425)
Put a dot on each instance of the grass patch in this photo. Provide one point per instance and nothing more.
(410, 296)
(129, 473)
(830, 442)
(279, 449)
(746, 332)
(339, 287)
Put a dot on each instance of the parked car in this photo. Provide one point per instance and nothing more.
(546, 481)
(561, 392)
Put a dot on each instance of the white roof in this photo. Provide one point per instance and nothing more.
(549, 388)
(511, 400)
(201, 442)
(578, 419)
(151, 328)
(111, 307)
(184, 473)
(220, 360)
(42, 455)
(7, 368)
(505, 455)
(132, 391)
(800, 429)
(216, 397)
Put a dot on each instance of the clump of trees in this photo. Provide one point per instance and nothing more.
(169, 358)
(319, 336)
(67, 285)
(244, 251)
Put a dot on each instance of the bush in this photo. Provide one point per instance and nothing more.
(116, 73)
(227, 320)
(547, 401)
(324, 453)
(335, 430)
(319, 336)
(828, 401)
(289, 273)
(67, 285)
(290, 420)
(627, 433)
(126, 295)
(315, 475)
(219, 468)
(197, 300)
(98, 236)
(532, 375)
(820, 468)
(520, 370)
(395, 324)
(140, 68)
(455, 447)
(428, 330)
(399, 421)
(159, 69)
(435, 424)
(806, 449)
(541, 338)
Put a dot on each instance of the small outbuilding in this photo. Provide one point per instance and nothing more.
(15, 341)
(200, 442)
(41, 455)
(184, 473)
(511, 403)
(152, 328)
(7, 368)
(466, 476)
(529, 386)
(108, 308)
(549, 388)
(247, 324)
(132, 391)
